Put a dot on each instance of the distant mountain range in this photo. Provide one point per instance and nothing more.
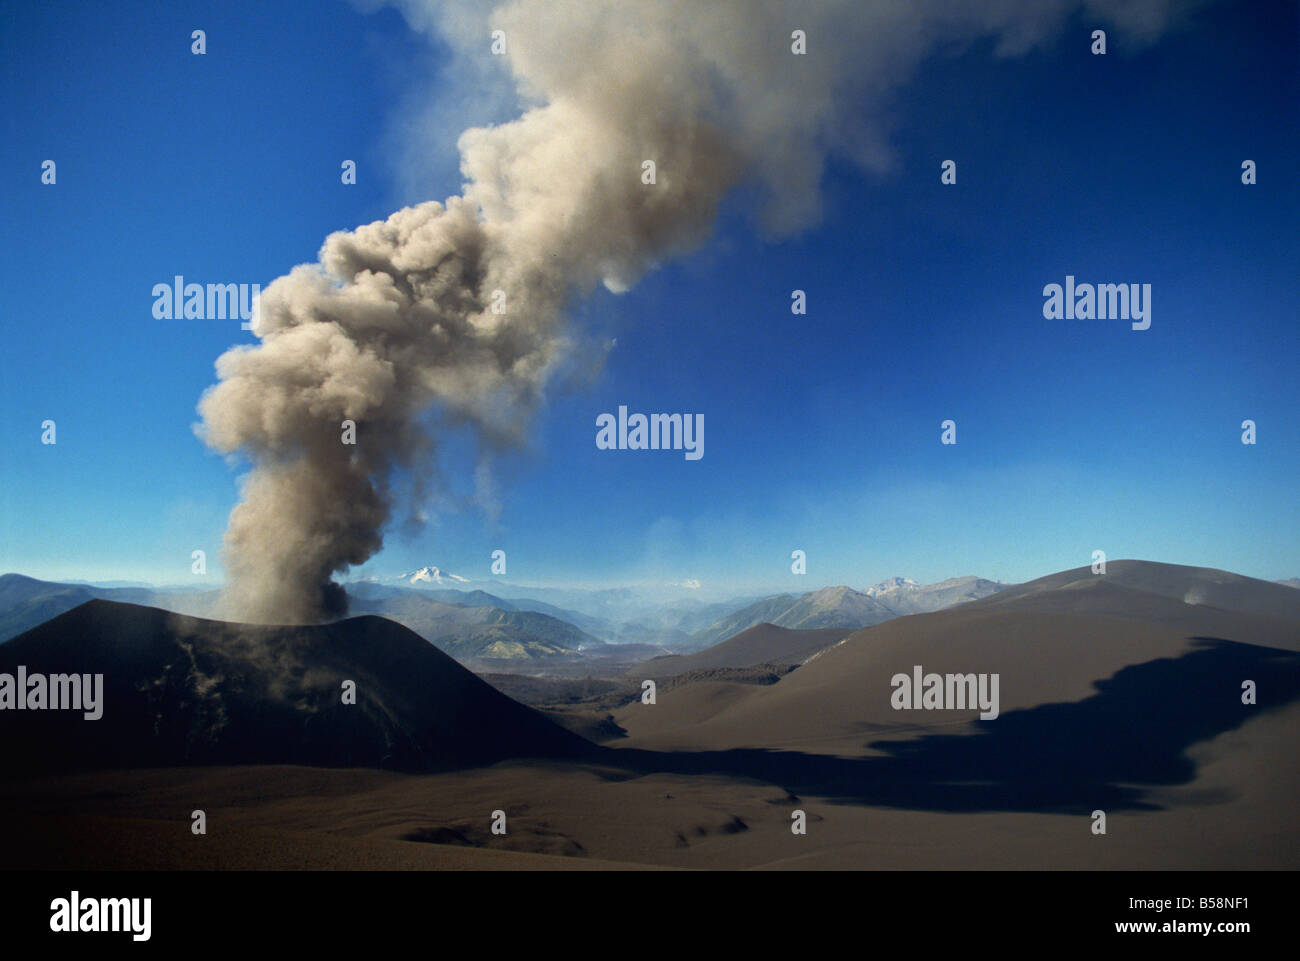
(365, 595)
(762, 644)
(664, 615)
(844, 607)
(1129, 588)
(482, 629)
(463, 623)
(472, 623)
(26, 601)
(477, 624)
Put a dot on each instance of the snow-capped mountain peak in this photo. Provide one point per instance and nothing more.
(892, 584)
(432, 575)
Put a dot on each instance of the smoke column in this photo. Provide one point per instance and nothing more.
(396, 318)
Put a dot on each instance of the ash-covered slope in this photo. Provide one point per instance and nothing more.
(1066, 646)
(1126, 581)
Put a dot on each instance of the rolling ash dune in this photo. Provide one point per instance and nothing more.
(181, 690)
(1112, 691)
(1127, 581)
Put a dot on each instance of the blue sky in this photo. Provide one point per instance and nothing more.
(822, 431)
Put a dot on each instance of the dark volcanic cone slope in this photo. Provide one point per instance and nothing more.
(181, 690)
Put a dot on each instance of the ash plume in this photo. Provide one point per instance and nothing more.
(396, 319)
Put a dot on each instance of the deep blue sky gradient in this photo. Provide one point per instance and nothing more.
(821, 432)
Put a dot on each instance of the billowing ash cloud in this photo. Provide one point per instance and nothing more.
(396, 319)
